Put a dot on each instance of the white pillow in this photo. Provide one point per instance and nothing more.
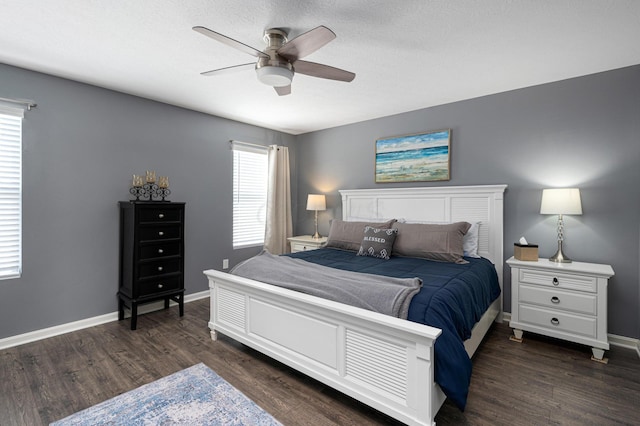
(469, 241)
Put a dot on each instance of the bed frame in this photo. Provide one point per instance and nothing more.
(382, 361)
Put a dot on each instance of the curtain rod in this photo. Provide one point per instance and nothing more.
(29, 104)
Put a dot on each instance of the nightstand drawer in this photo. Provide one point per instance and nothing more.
(559, 321)
(557, 299)
(302, 247)
(306, 243)
(559, 280)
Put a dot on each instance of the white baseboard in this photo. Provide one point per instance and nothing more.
(614, 339)
(44, 333)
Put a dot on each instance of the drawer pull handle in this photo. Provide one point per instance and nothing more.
(555, 300)
(160, 268)
(160, 286)
(161, 216)
(555, 281)
(160, 251)
(555, 321)
(161, 233)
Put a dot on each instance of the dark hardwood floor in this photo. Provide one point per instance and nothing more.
(538, 382)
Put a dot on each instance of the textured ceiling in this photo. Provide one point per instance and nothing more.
(407, 55)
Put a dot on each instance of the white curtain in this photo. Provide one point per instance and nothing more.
(279, 226)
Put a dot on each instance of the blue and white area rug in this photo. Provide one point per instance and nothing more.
(194, 396)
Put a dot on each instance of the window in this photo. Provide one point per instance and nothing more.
(10, 192)
(250, 175)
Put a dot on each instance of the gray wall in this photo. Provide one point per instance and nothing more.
(83, 143)
(583, 132)
(81, 146)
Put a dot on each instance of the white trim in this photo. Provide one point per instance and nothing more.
(625, 342)
(614, 339)
(249, 147)
(11, 192)
(45, 333)
(10, 110)
(24, 103)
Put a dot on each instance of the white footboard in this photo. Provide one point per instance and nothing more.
(384, 362)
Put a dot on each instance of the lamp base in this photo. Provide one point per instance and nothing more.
(316, 236)
(560, 257)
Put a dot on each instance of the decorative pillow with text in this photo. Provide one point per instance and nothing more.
(377, 242)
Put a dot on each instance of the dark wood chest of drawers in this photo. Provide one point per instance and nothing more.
(151, 255)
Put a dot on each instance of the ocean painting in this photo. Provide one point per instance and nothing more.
(414, 158)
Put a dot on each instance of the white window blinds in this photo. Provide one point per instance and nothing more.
(10, 192)
(250, 176)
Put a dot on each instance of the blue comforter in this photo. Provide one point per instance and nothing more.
(453, 298)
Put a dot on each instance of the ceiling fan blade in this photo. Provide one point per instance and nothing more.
(229, 70)
(283, 90)
(306, 43)
(230, 42)
(322, 71)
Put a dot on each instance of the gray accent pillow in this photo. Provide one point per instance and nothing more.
(348, 235)
(441, 242)
(377, 242)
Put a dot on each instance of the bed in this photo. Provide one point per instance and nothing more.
(382, 361)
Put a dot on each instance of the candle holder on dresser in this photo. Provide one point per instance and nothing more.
(148, 189)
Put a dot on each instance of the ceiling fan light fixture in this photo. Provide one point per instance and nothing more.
(275, 76)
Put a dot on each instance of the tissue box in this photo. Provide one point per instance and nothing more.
(525, 251)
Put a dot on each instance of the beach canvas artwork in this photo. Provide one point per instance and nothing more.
(414, 158)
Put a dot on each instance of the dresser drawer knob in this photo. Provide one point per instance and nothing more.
(161, 216)
(160, 286)
(555, 300)
(555, 281)
(555, 321)
(160, 251)
(162, 233)
(160, 268)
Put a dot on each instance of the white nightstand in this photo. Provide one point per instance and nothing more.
(306, 242)
(562, 300)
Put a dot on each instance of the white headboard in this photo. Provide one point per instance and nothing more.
(445, 204)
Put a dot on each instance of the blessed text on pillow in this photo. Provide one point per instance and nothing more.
(377, 242)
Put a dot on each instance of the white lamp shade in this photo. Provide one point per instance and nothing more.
(316, 202)
(561, 201)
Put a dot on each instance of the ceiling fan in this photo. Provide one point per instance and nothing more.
(281, 58)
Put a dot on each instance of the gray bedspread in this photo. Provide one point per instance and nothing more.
(377, 293)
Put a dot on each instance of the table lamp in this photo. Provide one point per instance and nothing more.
(316, 202)
(561, 201)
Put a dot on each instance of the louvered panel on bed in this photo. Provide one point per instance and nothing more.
(230, 308)
(376, 362)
